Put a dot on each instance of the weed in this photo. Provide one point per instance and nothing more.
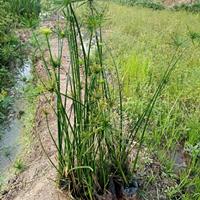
(25, 9)
(19, 166)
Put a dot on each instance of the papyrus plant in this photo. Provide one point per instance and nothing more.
(93, 147)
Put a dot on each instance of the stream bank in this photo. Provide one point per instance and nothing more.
(38, 180)
(12, 126)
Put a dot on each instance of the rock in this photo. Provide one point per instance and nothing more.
(131, 190)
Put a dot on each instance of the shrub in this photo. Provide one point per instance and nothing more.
(25, 12)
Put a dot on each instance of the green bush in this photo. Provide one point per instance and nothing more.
(194, 7)
(23, 8)
(144, 39)
(13, 13)
(26, 12)
(7, 40)
(9, 52)
(143, 3)
(190, 7)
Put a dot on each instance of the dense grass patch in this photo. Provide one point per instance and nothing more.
(145, 40)
(9, 51)
(27, 12)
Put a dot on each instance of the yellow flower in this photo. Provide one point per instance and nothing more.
(62, 34)
(101, 81)
(46, 31)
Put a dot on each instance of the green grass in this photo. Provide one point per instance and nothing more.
(143, 41)
(26, 13)
(155, 5)
(194, 7)
(28, 9)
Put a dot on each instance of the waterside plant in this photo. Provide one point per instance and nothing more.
(93, 146)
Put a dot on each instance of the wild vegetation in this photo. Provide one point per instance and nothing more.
(190, 6)
(126, 104)
(142, 50)
(27, 12)
(13, 14)
(8, 51)
(84, 128)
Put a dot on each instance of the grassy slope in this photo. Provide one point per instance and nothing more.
(143, 41)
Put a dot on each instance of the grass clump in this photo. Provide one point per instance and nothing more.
(92, 143)
(26, 12)
(19, 166)
(89, 153)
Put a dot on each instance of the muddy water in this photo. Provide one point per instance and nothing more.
(13, 126)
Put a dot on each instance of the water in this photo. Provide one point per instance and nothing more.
(13, 126)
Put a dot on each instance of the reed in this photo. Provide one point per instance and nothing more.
(92, 144)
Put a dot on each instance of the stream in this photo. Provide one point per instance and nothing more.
(12, 127)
